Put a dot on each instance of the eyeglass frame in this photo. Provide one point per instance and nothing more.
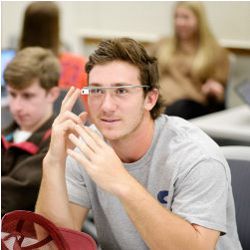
(86, 90)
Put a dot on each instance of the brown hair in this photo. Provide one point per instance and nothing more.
(128, 50)
(33, 63)
(41, 26)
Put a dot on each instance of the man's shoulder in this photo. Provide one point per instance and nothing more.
(185, 145)
(178, 125)
(174, 124)
(180, 135)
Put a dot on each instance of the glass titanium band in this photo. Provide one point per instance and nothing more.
(85, 90)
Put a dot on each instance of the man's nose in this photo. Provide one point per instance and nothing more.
(16, 103)
(108, 101)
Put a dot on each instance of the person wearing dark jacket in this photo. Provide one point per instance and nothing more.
(32, 85)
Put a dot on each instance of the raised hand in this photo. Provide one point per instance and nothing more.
(99, 160)
(64, 125)
(52, 201)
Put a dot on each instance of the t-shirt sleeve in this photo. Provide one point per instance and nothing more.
(76, 185)
(201, 195)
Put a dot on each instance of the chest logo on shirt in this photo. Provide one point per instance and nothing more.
(162, 196)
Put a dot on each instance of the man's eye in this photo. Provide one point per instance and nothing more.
(95, 91)
(27, 96)
(12, 95)
(121, 91)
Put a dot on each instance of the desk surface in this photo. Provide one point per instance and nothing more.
(233, 124)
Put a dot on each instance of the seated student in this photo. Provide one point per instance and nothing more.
(193, 66)
(152, 181)
(41, 27)
(32, 85)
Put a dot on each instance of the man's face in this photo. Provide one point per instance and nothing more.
(117, 113)
(30, 107)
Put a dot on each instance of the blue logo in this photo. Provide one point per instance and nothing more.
(161, 196)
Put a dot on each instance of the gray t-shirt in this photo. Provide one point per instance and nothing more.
(183, 169)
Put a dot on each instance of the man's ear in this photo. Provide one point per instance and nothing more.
(53, 93)
(151, 99)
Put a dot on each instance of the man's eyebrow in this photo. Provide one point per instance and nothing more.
(111, 85)
(121, 84)
(28, 93)
(95, 84)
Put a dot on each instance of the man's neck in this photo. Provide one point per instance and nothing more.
(134, 146)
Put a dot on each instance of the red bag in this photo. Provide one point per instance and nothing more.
(26, 230)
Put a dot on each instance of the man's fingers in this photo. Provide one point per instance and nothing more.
(70, 99)
(79, 158)
(65, 127)
(84, 148)
(97, 138)
(67, 115)
(87, 138)
(69, 94)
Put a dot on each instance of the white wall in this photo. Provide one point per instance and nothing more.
(230, 21)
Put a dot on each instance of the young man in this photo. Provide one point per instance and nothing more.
(31, 78)
(152, 181)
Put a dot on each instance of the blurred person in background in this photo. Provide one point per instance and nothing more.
(193, 66)
(32, 85)
(41, 27)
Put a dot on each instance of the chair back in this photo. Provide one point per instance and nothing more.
(239, 71)
(238, 158)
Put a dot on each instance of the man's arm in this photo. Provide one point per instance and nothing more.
(160, 228)
(53, 198)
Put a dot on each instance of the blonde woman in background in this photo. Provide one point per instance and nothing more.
(193, 66)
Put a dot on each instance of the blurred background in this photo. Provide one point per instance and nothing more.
(83, 22)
